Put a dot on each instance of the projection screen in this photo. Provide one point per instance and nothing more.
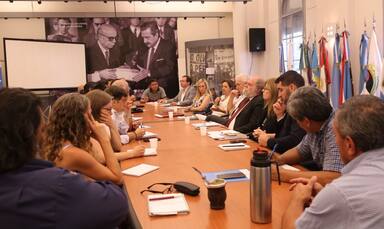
(40, 64)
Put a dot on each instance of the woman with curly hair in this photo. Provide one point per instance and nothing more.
(68, 141)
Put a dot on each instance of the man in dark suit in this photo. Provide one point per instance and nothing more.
(157, 61)
(103, 57)
(165, 31)
(132, 36)
(249, 114)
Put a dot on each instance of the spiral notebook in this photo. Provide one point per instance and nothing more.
(167, 204)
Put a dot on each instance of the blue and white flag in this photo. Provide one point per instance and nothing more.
(346, 84)
(375, 67)
(335, 82)
(364, 74)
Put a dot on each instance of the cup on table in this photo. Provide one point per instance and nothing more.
(217, 194)
(203, 130)
(187, 119)
(170, 115)
(153, 143)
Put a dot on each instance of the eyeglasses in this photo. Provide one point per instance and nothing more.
(98, 24)
(109, 38)
(168, 189)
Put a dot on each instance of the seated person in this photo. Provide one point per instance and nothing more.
(125, 86)
(219, 107)
(34, 193)
(121, 106)
(289, 133)
(237, 95)
(203, 98)
(354, 199)
(153, 93)
(68, 140)
(101, 105)
(186, 94)
(249, 113)
(312, 111)
(269, 97)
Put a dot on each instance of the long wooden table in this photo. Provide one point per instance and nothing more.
(182, 147)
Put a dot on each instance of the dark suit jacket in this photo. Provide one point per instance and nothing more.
(162, 67)
(131, 42)
(288, 136)
(251, 117)
(96, 60)
(169, 35)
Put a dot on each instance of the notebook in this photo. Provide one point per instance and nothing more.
(140, 170)
(167, 204)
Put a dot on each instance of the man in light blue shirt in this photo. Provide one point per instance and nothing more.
(355, 199)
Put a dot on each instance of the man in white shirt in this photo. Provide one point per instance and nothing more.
(121, 106)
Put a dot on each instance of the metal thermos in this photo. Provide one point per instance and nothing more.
(261, 196)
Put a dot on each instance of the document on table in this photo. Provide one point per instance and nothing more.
(288, 167)
(234, 146)
(140, 170)
(149, 134)
(226, 135)
(150, 152)
(167, 204)
(207, 124)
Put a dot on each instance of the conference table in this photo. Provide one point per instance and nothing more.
(182, 147)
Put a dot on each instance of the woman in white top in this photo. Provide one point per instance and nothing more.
(202, 99)
(219, 107)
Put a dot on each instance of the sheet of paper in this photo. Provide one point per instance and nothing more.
(288, 167)
(140, 170)
(149, 134)
(150, 152)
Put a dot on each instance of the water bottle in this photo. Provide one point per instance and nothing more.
(261, 196)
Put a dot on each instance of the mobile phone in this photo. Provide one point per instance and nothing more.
(238, 141)
(147, 139)
(234, 175)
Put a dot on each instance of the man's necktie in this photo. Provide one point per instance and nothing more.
(151, 52)
(107, 57)
(238, 110)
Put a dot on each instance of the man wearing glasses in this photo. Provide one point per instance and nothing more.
(103, 57)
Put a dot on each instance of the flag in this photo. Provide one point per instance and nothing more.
(364, 74)
(375, 67)
(346, 86)
(315, 65)
(325, 76)
(281, 59)
(290, 55)
(305, 68)
(335, 82)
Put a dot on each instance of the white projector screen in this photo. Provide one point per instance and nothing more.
(35, 64)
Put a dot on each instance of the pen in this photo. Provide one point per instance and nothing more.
(271, 152)
(162, 198)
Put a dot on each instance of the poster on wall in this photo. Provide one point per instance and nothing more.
(135, 49)
(224, 62)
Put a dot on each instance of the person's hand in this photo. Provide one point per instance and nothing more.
(217, 100)
(142, 74)
(235, 93)
(279, 108)
(97, 129)
(263, 139)
(303, 192)
(317, 187)
(139, 133)
(106, 118)
(107, 74)
(257, 132)
(174, 103)
(139, 150)
(144, 99)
